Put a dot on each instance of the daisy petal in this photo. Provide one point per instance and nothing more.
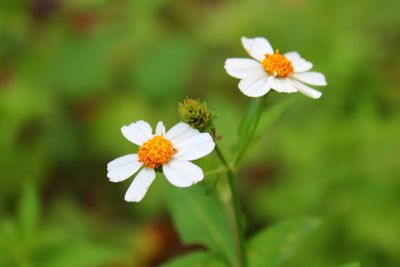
(242, 67)
(195, 147)
(140, 184)
(257, 47)
(299, 63)
(306, 90)
(278, 85)
(293, 56)
(179, 132)
(255, 86)
(137, 132)
(287, 86)
(313, 78)
(302, 66)
(123, 167)
(160, 129)
(182, 173)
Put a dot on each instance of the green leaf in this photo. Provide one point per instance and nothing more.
(28, 213)
(254, 121)
(211, 183)
(351, 264)
(249, 120)
(271, 247)
(196, 259)
(200, 219)
(248, 125)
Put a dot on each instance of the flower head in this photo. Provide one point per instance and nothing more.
(195, 113)
(170, 151)
(284, 73)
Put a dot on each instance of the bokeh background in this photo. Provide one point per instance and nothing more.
(73, 72)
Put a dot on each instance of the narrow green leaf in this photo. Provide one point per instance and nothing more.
(211, 184)
(249, 120)
(200, 219)
(271, 247)
(28, 212)
(351, 264)
(248, 125)
(196, 259)
(254, 121)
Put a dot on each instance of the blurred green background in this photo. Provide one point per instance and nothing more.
(73, 72)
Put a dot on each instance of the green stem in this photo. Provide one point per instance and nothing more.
(238, 223)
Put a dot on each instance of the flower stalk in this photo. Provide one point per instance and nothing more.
(238, 222)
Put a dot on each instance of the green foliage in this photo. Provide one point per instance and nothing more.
(157, 74)
(353, 264)
(28, 213)
(199, 219)
(73, 72)
(274, 245)
(196, 259)
(255, 120)
(248, 124)
(271, 114)
(24, 242)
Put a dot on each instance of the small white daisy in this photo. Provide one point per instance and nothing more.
(271, 70)
(170, 150)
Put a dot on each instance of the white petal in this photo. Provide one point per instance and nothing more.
(257, 47)
(242, 67)
(299, 63)
(195, 147)
(255, 86)
(140, 184)
(182, 173)
(137, 132)
(287, 86)
(160, 129)
(123, 167)
(179, 132)
(306, 90)
(293, 56)
(278, 85)
(302, 66)
(313, 78)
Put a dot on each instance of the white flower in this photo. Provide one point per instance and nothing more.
(283, 73)
(170, 150)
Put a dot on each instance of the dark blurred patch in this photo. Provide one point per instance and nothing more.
(6, 75)
(82, 21)
(30, 132)
(43, 9)
(166, 243)
(260, 175)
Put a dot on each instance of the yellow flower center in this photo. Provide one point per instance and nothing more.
(155, 152)
(277, 65)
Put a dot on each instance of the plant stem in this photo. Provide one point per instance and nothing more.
(238, 224)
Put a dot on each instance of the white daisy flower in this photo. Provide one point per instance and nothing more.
(171, 151)
(285, 73)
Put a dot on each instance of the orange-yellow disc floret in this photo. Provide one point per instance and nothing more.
(277, 65)
(155, 152)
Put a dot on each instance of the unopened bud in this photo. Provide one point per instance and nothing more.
(195, 113)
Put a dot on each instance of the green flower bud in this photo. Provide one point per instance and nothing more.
(195, 113)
